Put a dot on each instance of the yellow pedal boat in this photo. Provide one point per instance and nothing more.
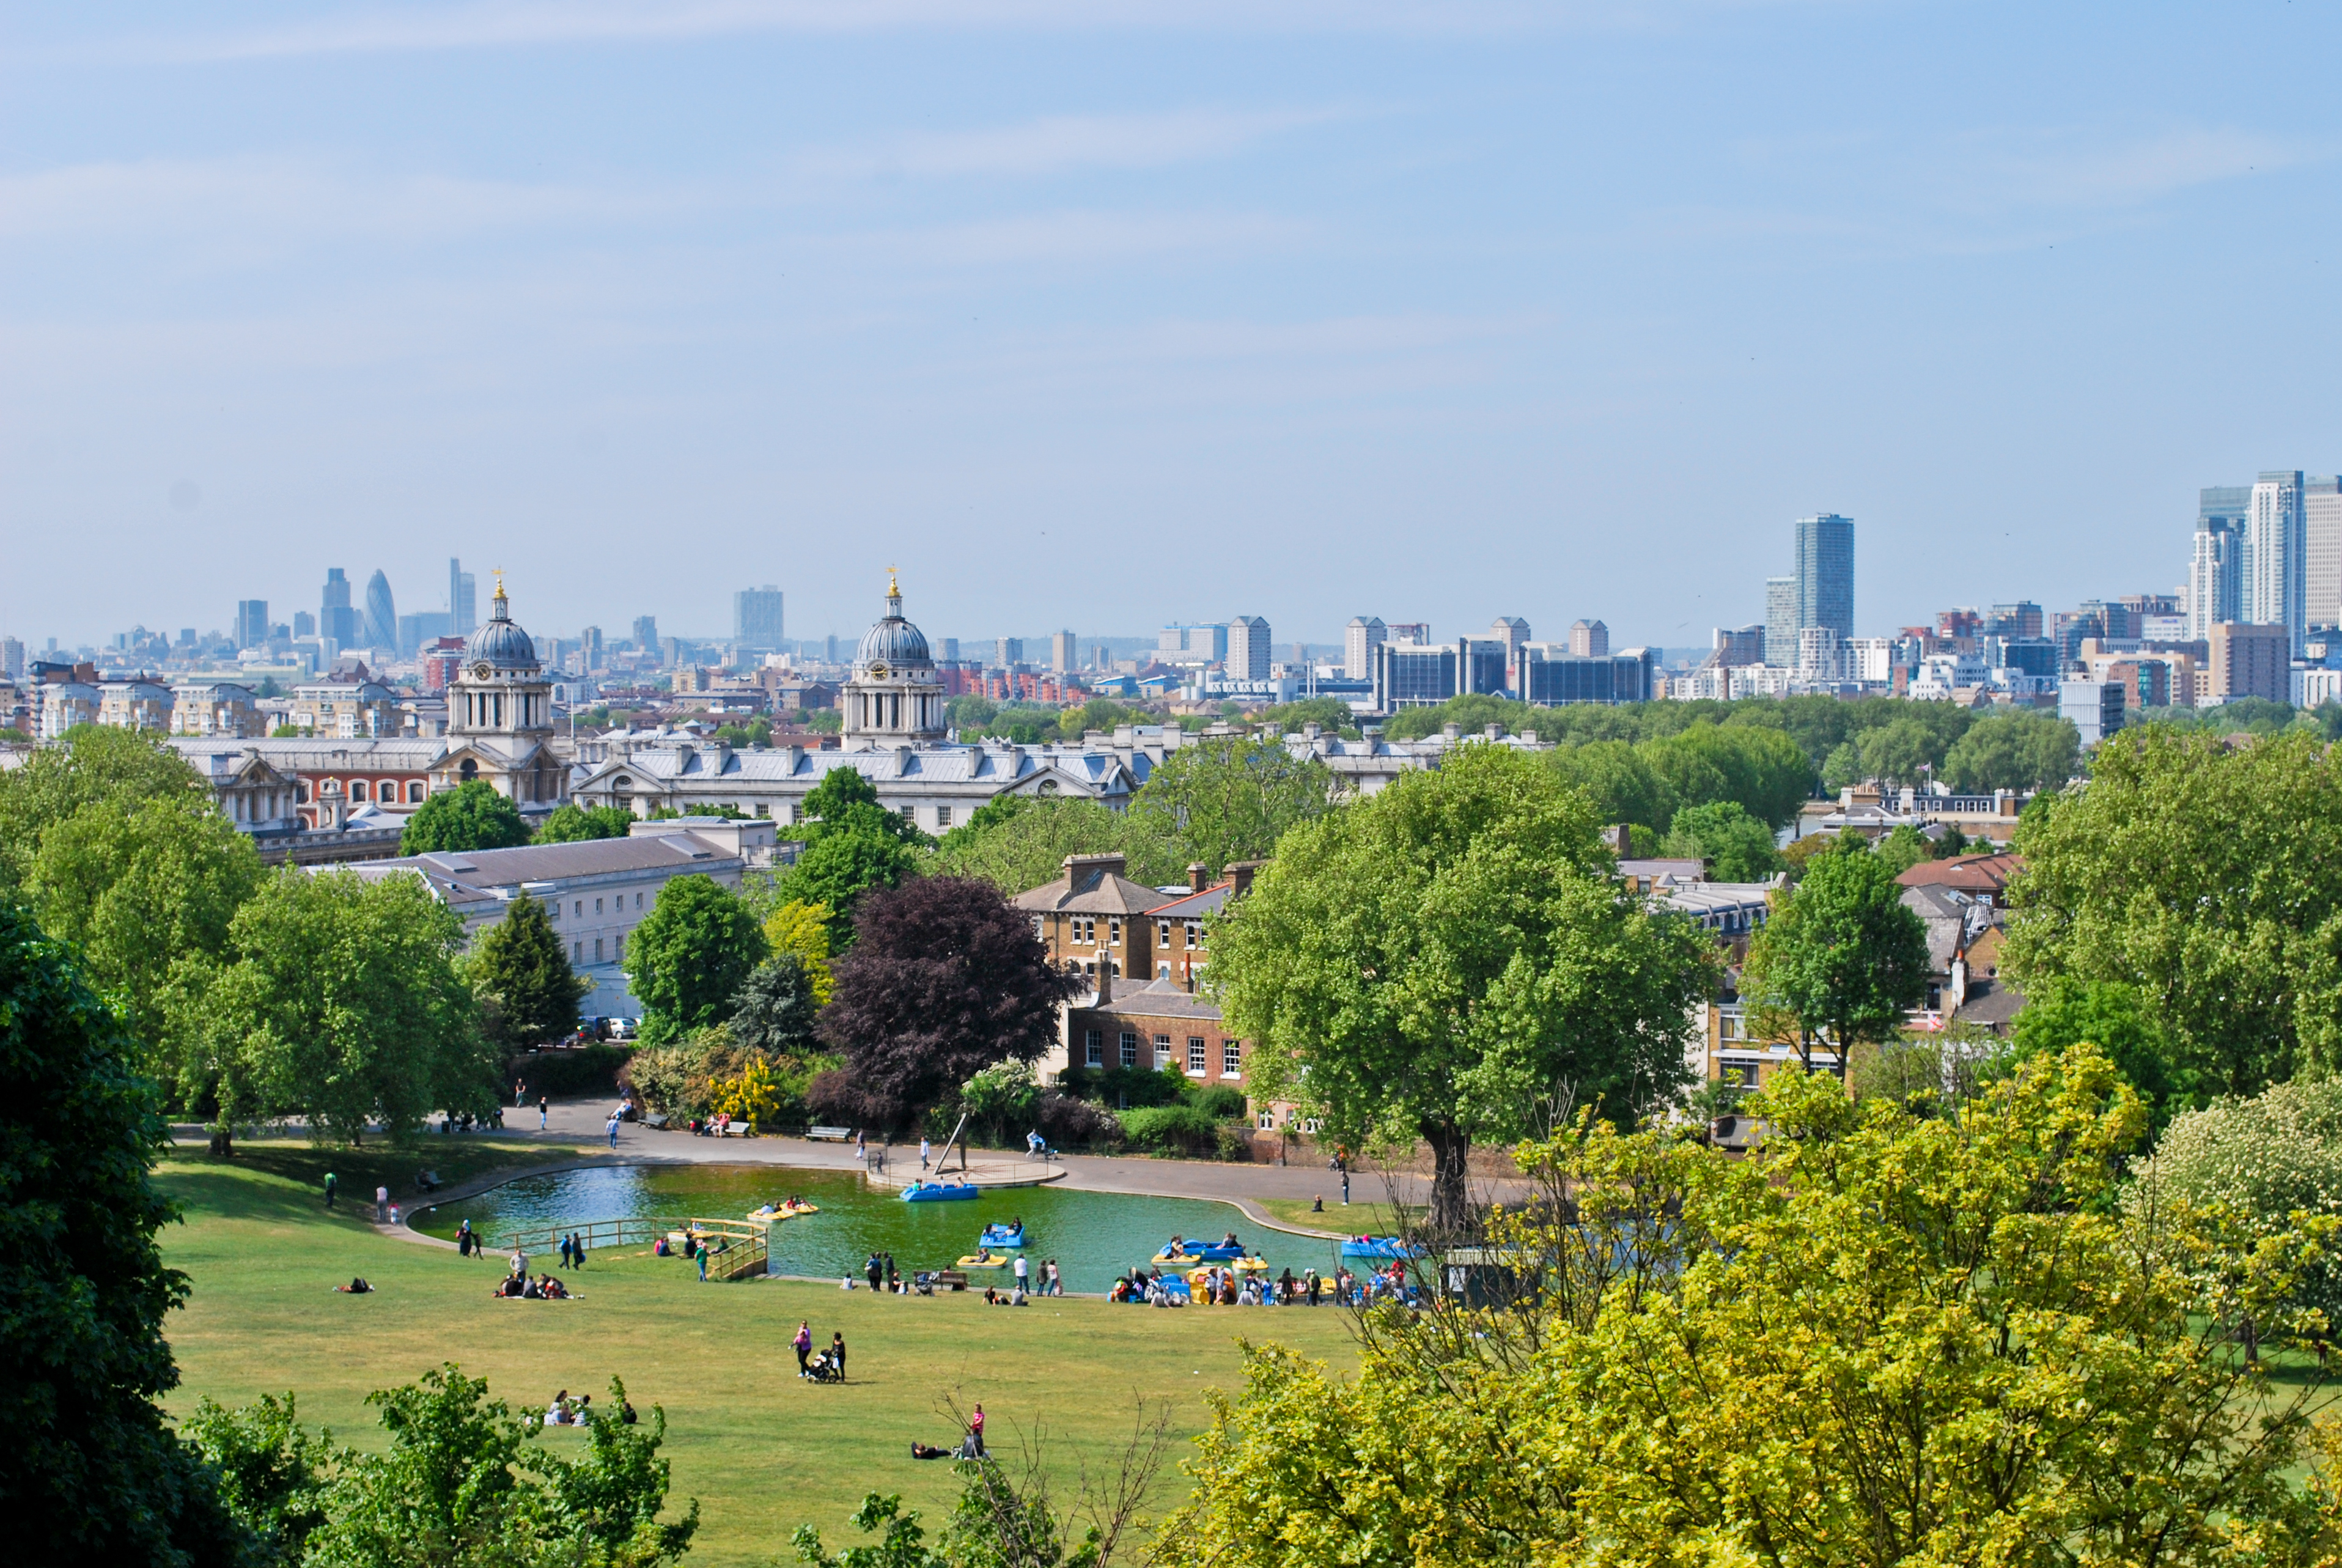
(974, 1260)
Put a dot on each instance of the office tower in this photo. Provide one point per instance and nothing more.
(1247, 648)
(1826, 573)
(1064, 654)
(670, 652)
(951, 650)
(2223, 506)
(251, 622)
(1781, 623)
(1409, 632)
(2214, 579)
(1737, 645)
(756, 618)
(463, 613)
(2321, 531)
(335, 618)
(1589, 640)
(589, 647)
(12, 657)
(646, 633)
(423, 626)
(2274, 584)
(2021, 619)
(1008, 653)
(1514, 634)
(305, 624)
(381, 614)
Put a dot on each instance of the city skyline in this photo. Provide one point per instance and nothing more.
(1110, 312)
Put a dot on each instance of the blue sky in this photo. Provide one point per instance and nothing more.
(1109, 315)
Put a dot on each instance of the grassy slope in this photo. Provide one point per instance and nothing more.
(762, 1450)
(1360, 1218)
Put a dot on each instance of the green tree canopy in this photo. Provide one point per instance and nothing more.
(776, 1009)
(1619, 780)
(2119, 1021)
(2203, 879)
(1840, 958)
(1885, 1339)
(2014, 752)
(90, 1472)
(142, 886)
(95, 763)
(1736, 846)
(1449, 960)
(1018, 842)
(470, 816)
(519, 968)
(1219, 799)
(340, 1001)
(852, 844)
(571, 823)
(690, 955)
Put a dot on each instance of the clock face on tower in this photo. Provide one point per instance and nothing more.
(480, 672)
(878, 672)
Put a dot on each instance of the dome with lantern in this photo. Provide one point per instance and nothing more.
(892, 644)
(499, 644)
(895, 695)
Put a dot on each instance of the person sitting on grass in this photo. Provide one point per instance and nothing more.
(558, 1414)
(532, 1290)
(356, 1287)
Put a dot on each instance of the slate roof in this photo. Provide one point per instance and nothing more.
(1159, 999)
(1094, 884)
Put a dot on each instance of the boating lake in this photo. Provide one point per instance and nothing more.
(1093, 1236)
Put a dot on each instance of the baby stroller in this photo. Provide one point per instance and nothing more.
(824, 1368)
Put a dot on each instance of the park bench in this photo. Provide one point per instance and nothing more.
(830, 1134)
(952, 1277)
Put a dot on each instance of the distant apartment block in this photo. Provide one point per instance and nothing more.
(1065, 654)
(756, 622)
(1360, 638)
(2275, 579)
(1008, 653)
(1826, 573)
(2250, 661)
(646, 635)
(1589, 640)
(2094, 708)
(1781, 622)
(1249, 648)
(2321, 526)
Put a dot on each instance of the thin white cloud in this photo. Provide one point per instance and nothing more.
(510, 24)
(1061, 143)
(1081, 236)
(2067, 169)
(275, 197)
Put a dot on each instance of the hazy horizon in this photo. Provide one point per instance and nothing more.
(1116, 316)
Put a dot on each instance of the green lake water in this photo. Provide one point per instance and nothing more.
(1093, 1236)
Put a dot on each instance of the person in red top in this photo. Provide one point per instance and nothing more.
(804, 1343)
(976, 1430)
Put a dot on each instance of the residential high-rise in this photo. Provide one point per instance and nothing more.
(950, 646)
(2250, 661)
(1008, 653)
(381, 614)
(2321, 529)
(335, 617)
(1736, 646)
(251, 622)
(2274, 584)
(12, 657)
(756, 618)
(305, 624)
(1247, 654)
(1781, 623)
(2020, 619)
(2215, 577)
(1360, 638)
(1513, 633)
(646, 633)
(1826, 573)
(1589, 640)
(1065, 655)
(589, 647)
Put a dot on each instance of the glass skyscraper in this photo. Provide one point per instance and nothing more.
(1824, 574)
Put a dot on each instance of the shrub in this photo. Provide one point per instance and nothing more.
(1068, 1123)
(1132, 1088)
(694, 1075)
(1220, 1103)
(566, 1074)
(1171, 1128)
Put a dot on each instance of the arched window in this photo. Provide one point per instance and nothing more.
(470, 770)
(301, 791)
(357, 789)
(414, 791)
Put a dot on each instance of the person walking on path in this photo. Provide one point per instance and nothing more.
(874, 1270)
(862, 1147)
(1024, 1271)
(330, 1185)
(923, 1151)
(614, 1129)
(837, 1354)
(543, 1109)
(520, 1093)
(894, 1279)
(803, 1345)
(702, 1265)
(1346, 1186)
(577, 1249)
(382, 1206)
(976, 1430)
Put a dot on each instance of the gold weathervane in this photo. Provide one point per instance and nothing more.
(894, 589)
(499, 571)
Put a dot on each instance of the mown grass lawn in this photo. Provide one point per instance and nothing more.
(761, 1450)
(1359, 1219)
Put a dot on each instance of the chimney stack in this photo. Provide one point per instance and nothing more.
(1198, 876)
(1104, 977)
(1241, 873)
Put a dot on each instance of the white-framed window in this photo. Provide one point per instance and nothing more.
(639, 901)
(598, 950)
(1129, 1048)
(1195, 1057)
(621, 952)
(1194, 932)
(911, 813)
(764, 808)
(1093, 1048)
(943, 817)
(577, 950)
(1162, 1051)
(1114, 930)
(1085, 929)
(1265, 1121)
(1162, 934)
(579, 911)
(597, 906)
(1232, 1060)
(357, 789)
